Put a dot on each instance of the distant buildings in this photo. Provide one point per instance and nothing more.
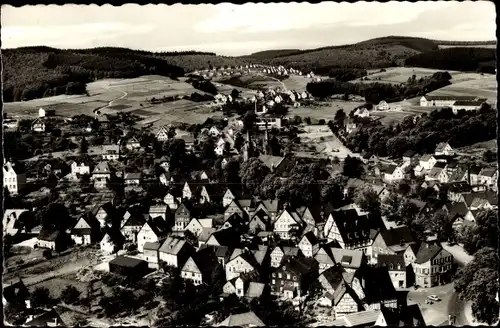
(455, 102)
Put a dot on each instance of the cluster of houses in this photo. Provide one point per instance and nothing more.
(226, 71)
(281, 70)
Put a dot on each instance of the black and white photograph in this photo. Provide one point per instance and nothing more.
(250, 165)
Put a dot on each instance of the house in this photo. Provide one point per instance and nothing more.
(431, 264)
(378, 289)
(133, 223)
(87, 230)
(132, 144)
(325, 258)
(197, 226)
(349, 229)
(344, 300)
(152, 231)
(406, 316)
(214, 132)
(49, 318)
(444, 148)
(243, 320)
(163, 134)
(471, 175)
(456, 189)
(293, 277)
(110, 152)
(259, 222)
(166, 178)
(101, 175)
(444, 101)
(38, 125)
(241, 261)
(362, 112)
(158, 211)
(174, 252)
(350, 126)
(182, 217)
(171, 201)
(132, 179)
(53, 240)
(188, 141)
(151, 254)
(246, 285)
(382, 106)
(230, 195)
(311, 216)
(200, 266)
(277, 164)
(236, 206)
(14, 177)
(79, 168)
(427, 161)
(224, 237)
(103, 212)
(468, 105)
(455, 210)
(396, 266)
(393, 173)
(16, 220)
(309, 244)
(288, 224)
(16, 292)
(132, 268)
(357, 319)
(279, 252)
(235, 221)
(488, 177)
(271, 207)
(112, 240)
(349, 259)
(392, 241)
(409, 156)
(41, 112)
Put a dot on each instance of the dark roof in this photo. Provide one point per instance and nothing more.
(391, 261)
(397, 235)
(378, 285)
(125, 261)
(469, 103)
(48, 235)
(407, 316)
(227, 237)
(457, 98)
(299, 266)
(136, 220)
(352, 227)
(409, 153)
(115, 234)
(107, 207)
(334, 276)
(312, 238)
(205, 259)
(456, 209)
(459, 186)
(16, 291)
(427, 252)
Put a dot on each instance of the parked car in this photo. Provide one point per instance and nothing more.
(433, 298)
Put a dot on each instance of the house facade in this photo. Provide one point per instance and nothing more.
(14, 179)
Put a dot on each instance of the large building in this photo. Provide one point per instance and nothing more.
(455, 102)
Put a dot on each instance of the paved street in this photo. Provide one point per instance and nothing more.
(434, 314)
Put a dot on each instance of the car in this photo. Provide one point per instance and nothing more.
(433, 298)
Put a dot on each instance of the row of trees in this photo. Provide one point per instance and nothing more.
(424, 133)
(376, 92)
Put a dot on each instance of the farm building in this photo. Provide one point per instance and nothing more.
(449, 101)
(129, 267)
(54, 240)
(468, 105)
(383, 105)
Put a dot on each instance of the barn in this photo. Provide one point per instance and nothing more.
(132, 268)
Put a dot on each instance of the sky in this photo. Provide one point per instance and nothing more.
(233, 30)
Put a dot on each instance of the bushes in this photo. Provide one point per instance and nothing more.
(70, 295)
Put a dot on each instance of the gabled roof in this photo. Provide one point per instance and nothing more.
(16, 291)
(152, 246)
(226, 237)
(456, 209)
(396, 236)
(407, 316)
(133, 176)
(311, 238)
(114, 234)
(248, 319)
(352, 227)
(409, 153)
(48, 235)
(441, 146)
(332, 278)
(357, 319)
(427, 252)
(378, 285)
(255, 289)
(136, 220)
(488, 172)
(392, 262)
(350, 258)
(106, 207)
(125, 261)
(102, 167)
(271, 161)
(299, 266)
(173, 245)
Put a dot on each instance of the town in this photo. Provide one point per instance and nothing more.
(252, 195)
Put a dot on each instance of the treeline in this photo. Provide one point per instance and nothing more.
(423, 135)
(206, 86)
(341, 74)
(376, 92)
(196, 97)
(31, 73)
(457, 59)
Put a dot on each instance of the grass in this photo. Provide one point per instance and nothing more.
(324, 112)
(487, 46)
(57, 285)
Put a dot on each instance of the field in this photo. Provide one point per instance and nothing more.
(321, 140)
(324, 112)
(398, 75)
(57, 285)
(297, 83)
(487, 46)
(483, 86)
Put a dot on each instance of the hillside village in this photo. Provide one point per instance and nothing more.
(222, 224)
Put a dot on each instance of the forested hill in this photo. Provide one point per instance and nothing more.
(36, 72)
(380, 53)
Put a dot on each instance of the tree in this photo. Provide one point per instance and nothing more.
(239, 142)
(235, 94)
(368, 200)
(339, 117)
(484, 233)
(307, 120)
(333, 191)
(190, 238)
(70, 295)
(56, 217)
(252, 172)
(40, 297)
(353, 167)
(477, 282)
(84, 146)
(489, 156)
(230, 172)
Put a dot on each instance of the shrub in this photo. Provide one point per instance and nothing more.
(70, 294)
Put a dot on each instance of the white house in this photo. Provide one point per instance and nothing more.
(214, 131)
(309, 244)
(148, 233)
(468, 105)
(362, 112)
(286, 222)
(41, 112)
(38, 125)
(393, 174)
(427, 162)
(110, 152)
(443, 148)
(14, 178)
(79, 168)
(382, 106)
(101, 175)
(175, 252)
(162, 135)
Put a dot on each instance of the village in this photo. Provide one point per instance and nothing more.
(226, 217)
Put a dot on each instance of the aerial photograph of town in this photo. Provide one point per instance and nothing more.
(280, 164)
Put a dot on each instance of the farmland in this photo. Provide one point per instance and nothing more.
(325, 111)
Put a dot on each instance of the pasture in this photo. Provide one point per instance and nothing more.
(297, 83)
(485, 87)
(324, 112)
(487, 46)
